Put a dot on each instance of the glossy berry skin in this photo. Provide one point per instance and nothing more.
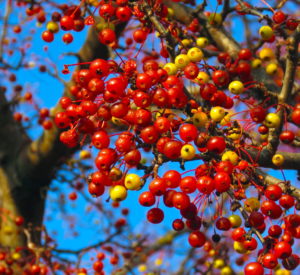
(106, 11)
(100, 139)
(158, 186)
(172, 178)
(96, 190)
(216, 145)
(190, 212)
(282, 250)
(258, 114)
(220, 78)
(99, 68)
(172, 149)
(48, 36)
(146, 199)
(207, 91)
(256, 219)
(245, 54)
(269, 261)
(67, 23)
(140, 36)
(271, 209)
(180, 200)
(67, 38)
(107, 36)
(222, 182)
(250, 244)
(287, 137)
(292, 24)
(238, 234)
(296, 116)
(155, 215)
(254, 268)
(196, 239)
(205, 185)
(279, 17)
(286, 201)
(275, 231)
(168, 198)
(188, 184)
(273, 192)
(178, 225)
(188, 132)
(223, 224)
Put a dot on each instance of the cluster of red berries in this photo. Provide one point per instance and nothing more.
(145, 99)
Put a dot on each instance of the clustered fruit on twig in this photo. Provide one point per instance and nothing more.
(177, 124)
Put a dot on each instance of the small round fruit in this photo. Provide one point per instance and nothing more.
(256, 63)
(202, 78)
(231, 156)
(199, 119)
(170, 68)
(216, 144)
(181, 61)
(186, 42)
(278, 160)
(251, 204)
(239, 247)
(287, 137)
(218, 263)
(272, 68)
(254, 268)
(272, 120)
(202, 42)
(195, 54)
(226, 270)
(187, 152)
(118, 193)
(266, 54)
(217, 113)
(155, 215)
(235, 220)
(266, 32)
(133, 182)
(48, 36)
(52, 27)
(196, 239)
(236, 87)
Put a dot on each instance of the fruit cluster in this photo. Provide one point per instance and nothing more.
(185, 109)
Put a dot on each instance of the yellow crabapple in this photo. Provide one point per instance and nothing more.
(217, 113)
(202, 42)
(195, 54)
(199, 119)
(181, 61)
(171, 68)
(278, 160)
(231, 156)
(133, 182)
(118, 193)
(272, 120)
(236, 87)
(187, 152)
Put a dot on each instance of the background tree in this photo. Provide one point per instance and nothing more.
(170, 104)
